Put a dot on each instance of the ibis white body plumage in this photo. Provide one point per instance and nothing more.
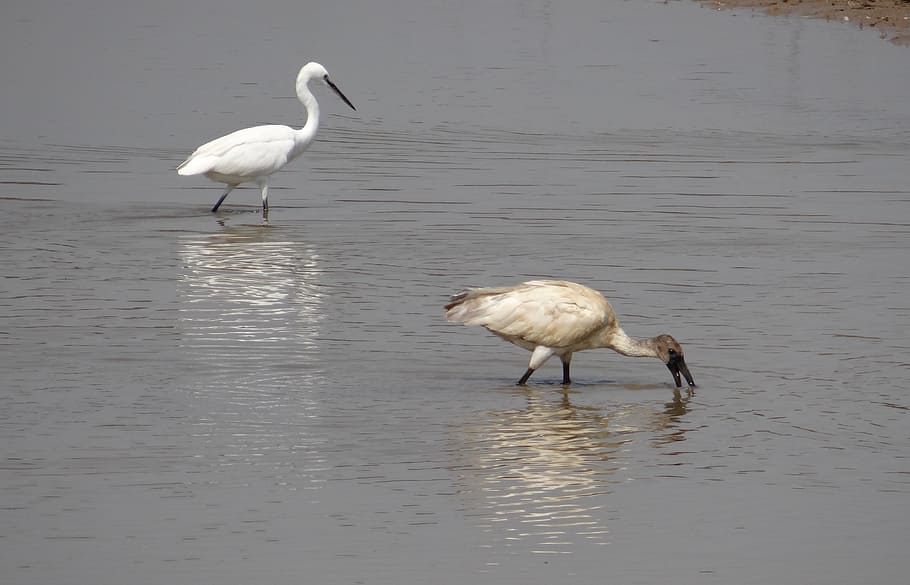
(557, 317)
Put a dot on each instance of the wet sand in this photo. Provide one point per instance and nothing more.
(890, 17)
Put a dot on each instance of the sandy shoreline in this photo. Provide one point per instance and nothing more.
(890, 17)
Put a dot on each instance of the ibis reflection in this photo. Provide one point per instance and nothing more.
(540, 475)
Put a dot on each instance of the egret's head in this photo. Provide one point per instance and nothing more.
(313, 70)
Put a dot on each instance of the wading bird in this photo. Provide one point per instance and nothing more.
(556, 317)
(252, 154)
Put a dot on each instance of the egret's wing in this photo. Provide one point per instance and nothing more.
(545, 313)
(247, 152)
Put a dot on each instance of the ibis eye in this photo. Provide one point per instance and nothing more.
(672, 351)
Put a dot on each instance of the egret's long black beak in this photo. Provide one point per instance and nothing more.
(338, 91)
(677, 366)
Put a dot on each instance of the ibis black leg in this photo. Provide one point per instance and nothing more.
(565, 373)
(524, 379)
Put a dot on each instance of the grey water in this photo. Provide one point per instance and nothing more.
(203, 398)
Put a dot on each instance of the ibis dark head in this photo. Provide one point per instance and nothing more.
(670, 352)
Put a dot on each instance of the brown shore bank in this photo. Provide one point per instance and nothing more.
(890, 17)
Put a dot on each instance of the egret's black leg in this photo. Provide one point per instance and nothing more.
(223, 196)
(524, 379)
(264, 187)
(218, 204)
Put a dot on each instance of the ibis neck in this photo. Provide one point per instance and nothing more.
(622, 343)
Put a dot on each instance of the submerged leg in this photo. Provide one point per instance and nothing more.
(223, 195)
(264, 187)
(538, 357)
(565, 373)
(566, 360)
(524, 379)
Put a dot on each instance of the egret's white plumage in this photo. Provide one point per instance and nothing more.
(556, 317)
(252, 154)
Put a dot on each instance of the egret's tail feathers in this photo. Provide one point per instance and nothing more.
(196, 165)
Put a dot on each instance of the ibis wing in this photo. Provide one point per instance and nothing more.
(552, 323)
(537, 312)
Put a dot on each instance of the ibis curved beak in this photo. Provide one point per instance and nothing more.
(677, 366)
(338, 91)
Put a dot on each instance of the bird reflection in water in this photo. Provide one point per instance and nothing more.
(541, 475)
(670, 431)
(251, 303)
(250, 316)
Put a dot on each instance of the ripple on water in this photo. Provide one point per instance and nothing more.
(539, 476)
(250, 313)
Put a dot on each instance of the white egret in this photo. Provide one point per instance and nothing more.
(556, 317)
(252, 154)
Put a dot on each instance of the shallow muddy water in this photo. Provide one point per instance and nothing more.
(214, 398)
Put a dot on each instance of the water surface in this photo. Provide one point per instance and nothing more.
(204, 398)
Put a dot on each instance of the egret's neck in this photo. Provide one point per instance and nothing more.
(309, 102)
(622, 343)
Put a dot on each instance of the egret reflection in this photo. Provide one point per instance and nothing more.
(250, 316)
(541, 474)
(251, 305)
